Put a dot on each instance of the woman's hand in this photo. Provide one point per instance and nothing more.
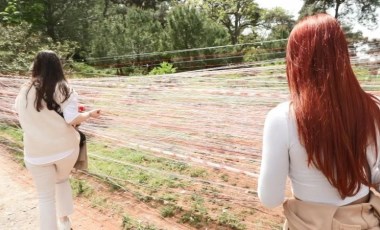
(84, 116)
(94, 113)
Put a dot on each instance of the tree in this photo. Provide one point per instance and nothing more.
(363, 11)
(134, 33)
(18, 47)
(277, 25)
(187, 28)
(143, 4)
(56, 18)
(234, 15)
(3, 4)
(17, 11)
(278, 22)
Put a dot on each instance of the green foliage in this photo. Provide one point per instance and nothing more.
(81, 69)
(3, 4)
(135, 33)
(58, 19)
(81, 188)
(11, 136)
(72, 20)
(188, 28)
(130, 37)
(234, 15)
(164, 68)
(266, 51)
(348, 12)
(197, 215)
(168, 211)
(197, 172)
(18, 46)
(149, 180)
(18, 11)
(125, 38)
(168, 198)
(228, 219)
(128, 223)
(278, 22)
(144, 4)
(224, 177)
(11, 133)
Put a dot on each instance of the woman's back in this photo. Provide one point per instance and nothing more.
(283, 148)
(45, 132)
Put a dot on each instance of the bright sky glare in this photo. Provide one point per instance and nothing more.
(294, 6)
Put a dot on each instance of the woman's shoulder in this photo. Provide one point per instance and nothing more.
(281, 109)
(280, 113)
(26, 87)
(27, 84)
(64, 83)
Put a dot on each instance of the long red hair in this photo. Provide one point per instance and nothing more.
(336, 119)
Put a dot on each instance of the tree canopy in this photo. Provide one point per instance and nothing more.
(123, 31)
(347, 11)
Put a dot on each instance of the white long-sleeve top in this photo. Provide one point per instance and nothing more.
(284, 156)
(47, 136)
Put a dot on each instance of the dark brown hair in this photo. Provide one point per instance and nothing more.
(336, 119)
(47, 74)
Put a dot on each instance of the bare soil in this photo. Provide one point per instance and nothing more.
(19, 209)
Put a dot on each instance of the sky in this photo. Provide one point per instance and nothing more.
(294, 6)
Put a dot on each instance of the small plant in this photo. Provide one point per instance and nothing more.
(168, 211)
(231, 221)
(164, 68)
(197, 172)
(192, 218)
(168, 198)
(126, 222)
(99, 202)
(224, 177)
(130, 224)
(198, 213)
(143, 198)
(81, 188)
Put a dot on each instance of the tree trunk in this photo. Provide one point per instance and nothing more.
(338, 3)
(105, 10)
(49, 18)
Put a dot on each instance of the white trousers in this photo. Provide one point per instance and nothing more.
(53, 189)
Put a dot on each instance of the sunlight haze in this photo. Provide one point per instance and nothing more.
(294, 6)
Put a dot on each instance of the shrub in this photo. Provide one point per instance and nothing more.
(164, 68)
(18, 47)
(168, 211)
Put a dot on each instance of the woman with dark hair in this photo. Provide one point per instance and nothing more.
(325, 139)
(51, 143)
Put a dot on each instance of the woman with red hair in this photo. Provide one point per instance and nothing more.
(325, 139)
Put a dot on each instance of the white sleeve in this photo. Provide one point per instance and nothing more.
(374, 163)
(70, 107)
(275, 159)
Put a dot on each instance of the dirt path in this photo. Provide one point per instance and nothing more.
(19, 209)
(18, 202)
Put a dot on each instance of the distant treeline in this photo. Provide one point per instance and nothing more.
(139, 35)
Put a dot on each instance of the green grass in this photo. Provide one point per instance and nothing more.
(158, 175)
(12, 132)
(168, 211)
(81, 188)
(156, 184)
(228, 219)
(128, 223)
(82, 70)
(11, 136)
(197, 216)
